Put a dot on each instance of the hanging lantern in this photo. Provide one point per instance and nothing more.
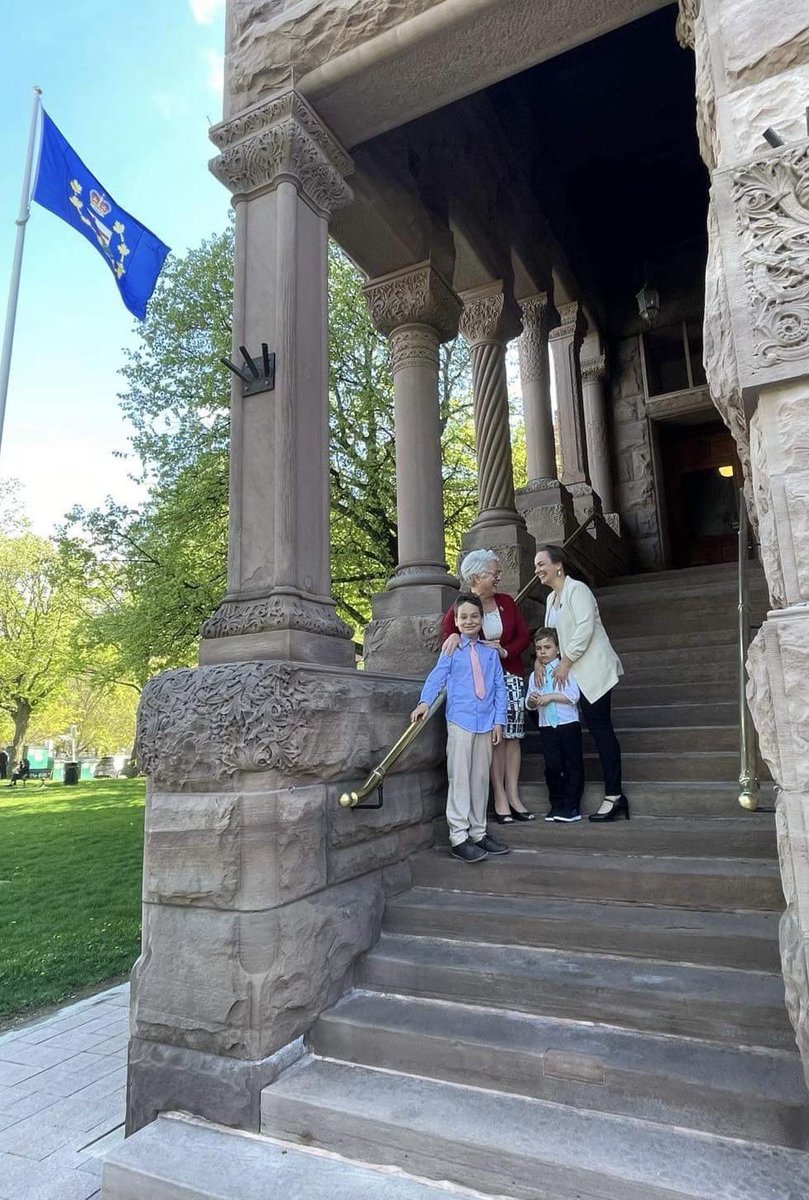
(648, 300)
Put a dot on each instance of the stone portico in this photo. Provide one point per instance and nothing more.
(417, 134)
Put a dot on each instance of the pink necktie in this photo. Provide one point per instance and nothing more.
(477, 673)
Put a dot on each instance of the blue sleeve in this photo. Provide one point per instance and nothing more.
(436, 679)
(500, 699)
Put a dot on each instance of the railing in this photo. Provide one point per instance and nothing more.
(375, 780)
(749, 786)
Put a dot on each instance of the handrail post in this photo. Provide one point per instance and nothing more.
(749, 786)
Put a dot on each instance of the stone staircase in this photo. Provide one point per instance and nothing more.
(597, 1016)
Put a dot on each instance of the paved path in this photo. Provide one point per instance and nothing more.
(62, 1090)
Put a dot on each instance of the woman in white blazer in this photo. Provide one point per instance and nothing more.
(588, 656)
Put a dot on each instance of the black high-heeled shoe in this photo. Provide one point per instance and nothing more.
(620, 808)
(502, 818)
(521, 816)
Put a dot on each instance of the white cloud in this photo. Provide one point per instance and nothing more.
(206, 11)
(216, 71)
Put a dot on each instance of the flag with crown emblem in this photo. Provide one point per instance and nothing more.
(65, 186)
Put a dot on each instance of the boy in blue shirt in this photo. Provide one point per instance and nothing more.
(477, 704)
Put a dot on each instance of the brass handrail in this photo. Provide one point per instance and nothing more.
(749, 786)
(375, 780)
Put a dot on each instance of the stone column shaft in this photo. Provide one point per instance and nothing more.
(286, 172)
(566, 340)
(595, 424)
(536, 389)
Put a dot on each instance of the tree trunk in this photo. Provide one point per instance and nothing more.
(22, 717)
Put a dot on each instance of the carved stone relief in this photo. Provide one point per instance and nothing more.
(534, 339)
(413, 346)
(236, 617)
(480, 321)
(415, 296)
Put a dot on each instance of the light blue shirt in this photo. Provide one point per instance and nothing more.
(454, 672)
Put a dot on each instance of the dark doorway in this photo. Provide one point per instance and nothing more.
(702, 475)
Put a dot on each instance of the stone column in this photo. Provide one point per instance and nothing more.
(418, 310)
(286, 172)
(595, 425)
(487, 323)
(756, 340)
(544, 502)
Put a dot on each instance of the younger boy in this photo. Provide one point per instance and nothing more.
(477, 703)
(556, 705)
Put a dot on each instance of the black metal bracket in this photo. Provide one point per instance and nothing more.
(377, 804)
(260, 373)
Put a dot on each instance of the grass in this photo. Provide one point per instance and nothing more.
(70, 882)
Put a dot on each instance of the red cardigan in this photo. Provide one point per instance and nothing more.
(516, 634)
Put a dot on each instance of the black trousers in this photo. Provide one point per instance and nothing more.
(598, 719)
(564, 764)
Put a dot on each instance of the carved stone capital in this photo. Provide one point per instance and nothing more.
(534, 338)
(572, 324)
(276, 612)
(283, 139)
(487, 316)
(770, 261)
(414, 296)
(593, 370)
(413, 346)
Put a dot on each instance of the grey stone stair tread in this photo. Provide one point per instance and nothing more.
(595, 860)
(177, 1158)
(715, 1003)
(682, 1081)
(677, 716)
(510, 1145)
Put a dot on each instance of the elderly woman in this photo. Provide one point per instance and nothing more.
(505, 629)
(588, 656)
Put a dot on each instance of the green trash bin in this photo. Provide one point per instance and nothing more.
(71, 772)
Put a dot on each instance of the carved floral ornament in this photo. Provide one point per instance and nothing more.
(593, 370)
(572, 323)
(413, 346)
(415, 296)
(283, 139)
(771, 204)
(480, 320)
(534, 338)
(236, 617)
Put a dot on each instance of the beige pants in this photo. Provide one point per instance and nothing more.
(469, 757)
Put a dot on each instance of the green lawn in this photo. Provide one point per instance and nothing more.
(70, 876)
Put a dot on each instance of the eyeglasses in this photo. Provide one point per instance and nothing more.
(494, 574)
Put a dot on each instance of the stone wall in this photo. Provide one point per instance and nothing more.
(634, 472)
(259, 891)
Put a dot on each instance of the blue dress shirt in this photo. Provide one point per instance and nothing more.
(454, 672)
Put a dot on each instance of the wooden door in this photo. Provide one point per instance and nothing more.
(701, 499)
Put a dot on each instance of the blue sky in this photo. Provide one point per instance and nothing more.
(133, 87)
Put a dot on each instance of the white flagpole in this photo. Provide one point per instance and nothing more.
(14, 286)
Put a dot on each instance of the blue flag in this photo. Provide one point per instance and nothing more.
(65, 186)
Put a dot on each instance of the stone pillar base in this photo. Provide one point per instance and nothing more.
(404, 635)
(513, 545)
(283, 626)
(547, 508)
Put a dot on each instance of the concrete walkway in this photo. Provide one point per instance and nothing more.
(62, 1092)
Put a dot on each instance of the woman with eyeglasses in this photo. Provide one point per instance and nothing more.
(504, 628)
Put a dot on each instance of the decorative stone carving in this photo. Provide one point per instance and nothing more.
(594, 370)
(495, 470)
(534, 339)
(771, 200)
(413, 346)
(414, 296)
(481, 318)
(281, 611)
(424, 633)
(572, 323)
(283, 139)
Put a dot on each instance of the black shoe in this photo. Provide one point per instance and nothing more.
(468, 852)
(550, 815)
(491, 845)
(502, 818)
(568, 815)
(521, 816)
(620, 808)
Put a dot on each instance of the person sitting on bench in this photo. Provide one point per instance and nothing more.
(23, 772)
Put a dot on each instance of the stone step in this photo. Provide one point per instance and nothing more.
(719, 1004)
(722, 884)
(662, 799)
(636, 716)
(656, 739)
(633, 692)
(719, 766)
(748, 835)
(180, 1158)
(507, 1145)
(731, 1091)
(746, 940)
(638, 651)
(701, 669)
(717, 574)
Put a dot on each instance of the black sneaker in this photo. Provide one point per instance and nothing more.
(550, 815)
(469, 852)
(567, 815)
(491, 845)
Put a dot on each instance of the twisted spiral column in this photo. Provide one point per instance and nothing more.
(536, 389)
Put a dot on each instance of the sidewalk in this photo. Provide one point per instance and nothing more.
(62, 1094)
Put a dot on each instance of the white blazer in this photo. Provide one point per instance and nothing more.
(596, 667)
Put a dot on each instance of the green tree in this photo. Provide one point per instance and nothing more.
(38, 618)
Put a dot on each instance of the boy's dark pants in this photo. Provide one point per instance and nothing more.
(564, 765)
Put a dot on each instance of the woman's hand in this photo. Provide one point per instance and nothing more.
(562, 671)
(419, 712)
(451, 644)
(495, 645)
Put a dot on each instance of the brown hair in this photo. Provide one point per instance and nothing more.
(468, 598)
(547, 632)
